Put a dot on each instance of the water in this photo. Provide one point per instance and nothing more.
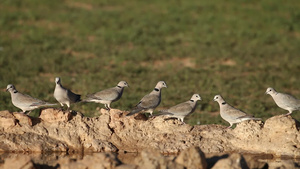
(50, 160)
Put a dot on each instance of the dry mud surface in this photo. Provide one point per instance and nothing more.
(113, 131)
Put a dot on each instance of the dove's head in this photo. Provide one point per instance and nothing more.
(57, 80)
(270, 91)
(218, 98)
(123, 84)
(196, 97)
(161, 84)
(11, 88)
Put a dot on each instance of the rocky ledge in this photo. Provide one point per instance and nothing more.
(55, 131)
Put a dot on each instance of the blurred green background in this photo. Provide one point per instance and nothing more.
(235, 48)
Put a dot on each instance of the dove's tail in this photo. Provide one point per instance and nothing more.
(253, 118)
(86, 100)
(135, 110)
(248, 117)
(163, 112)
(43, 104)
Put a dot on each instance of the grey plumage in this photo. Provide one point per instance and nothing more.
(25, 102)
(183, 109)
(284, 101)
(149, 102)
(107, 96)
(231, 114)
(63, 95)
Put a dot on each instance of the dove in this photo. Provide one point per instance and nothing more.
(25, 102)
(149, 102)
(107, 96)
(63, 95)
(183, 109)
(231, 114)
(284, 101)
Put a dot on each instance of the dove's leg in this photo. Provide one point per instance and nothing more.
(62, 107)
(290, 112)
(68, 104)
(151, 111)
(229, 126)
(181, 119)
(107, 107)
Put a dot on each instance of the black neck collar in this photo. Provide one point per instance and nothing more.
(224, 103)
(15, 91)
(119, 86)
(156, 89)
(192, 100)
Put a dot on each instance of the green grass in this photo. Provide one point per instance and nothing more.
(233, 48)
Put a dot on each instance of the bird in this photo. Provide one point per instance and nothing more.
(284, 101)
(231, 114)
(150, 101)
(181, 110)
(63, 95)
(25, 102)
(107, 96)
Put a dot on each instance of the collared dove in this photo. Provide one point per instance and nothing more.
(231, 114)
(149, 102)
(183, 109)
(25, 102)
(107, 96)
(284, 101)
(63, 95)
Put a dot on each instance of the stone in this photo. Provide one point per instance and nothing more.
(57, 131)
(279, 136)
(153, 159)
(113, 131)
(19, 163)
(23, 119)
(52, 115)
(7, 120)
(234, 161)
(287, 164)
(94, 161)
(192, 158)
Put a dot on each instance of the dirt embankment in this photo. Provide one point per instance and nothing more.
(56, 130)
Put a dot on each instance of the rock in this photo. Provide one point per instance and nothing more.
(192, 158)
(7, 120)
(257, 160)
(278, 136)
(56, 130)
(234, 161)
(153, 159)
(127, 166)
(55, 133)
(132, 135)
(287, 164)
(23, 119)
(19, 163)
(52, 115)
(94, 161)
